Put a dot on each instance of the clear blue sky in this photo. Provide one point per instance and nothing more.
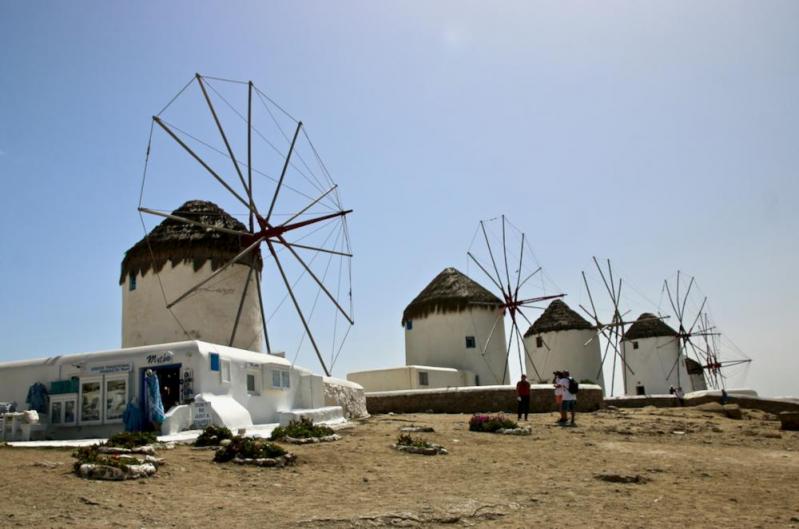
(663, 135)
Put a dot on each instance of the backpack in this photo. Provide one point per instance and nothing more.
(574, 387)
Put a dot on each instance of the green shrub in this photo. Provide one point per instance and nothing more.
(92, 455)
(405, 439)
(248, 448)
(213, 435)
(131, 439)
(302, 429)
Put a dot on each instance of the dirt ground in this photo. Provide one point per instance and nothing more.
(694, 469)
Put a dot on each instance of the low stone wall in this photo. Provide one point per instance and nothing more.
(476, 399)
(348, 395)
(774, 406)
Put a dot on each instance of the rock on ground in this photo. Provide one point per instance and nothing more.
(789, 420)
(731, 411)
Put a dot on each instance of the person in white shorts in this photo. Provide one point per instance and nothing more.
(558, 392)
(569, 402)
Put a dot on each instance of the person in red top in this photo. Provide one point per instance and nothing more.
(523, 397)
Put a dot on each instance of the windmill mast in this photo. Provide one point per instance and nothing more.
(512, 301)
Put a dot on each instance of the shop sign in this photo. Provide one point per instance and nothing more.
(201, 413)
(159, 358)
(109, 369)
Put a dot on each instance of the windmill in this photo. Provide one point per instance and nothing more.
(613, 329)
(697, 337)
(508, 281)
(230, 143)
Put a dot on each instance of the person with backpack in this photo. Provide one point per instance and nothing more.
(569, 388)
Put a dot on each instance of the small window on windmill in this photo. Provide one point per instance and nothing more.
(131, 281)
(539, 342)
(423, 379)
(470, 342)
(635, 345)
(409, 325)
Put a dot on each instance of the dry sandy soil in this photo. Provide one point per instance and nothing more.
(695, 469)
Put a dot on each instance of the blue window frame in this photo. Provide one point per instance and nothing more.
(131, 281)
(409, 325)
(214, 361)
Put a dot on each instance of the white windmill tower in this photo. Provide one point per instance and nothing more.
(180, 255)
(452, 319)
(651, 350)
(560, 339)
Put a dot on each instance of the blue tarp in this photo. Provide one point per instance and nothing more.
(132, 418)
(37, 398)
(155, 407)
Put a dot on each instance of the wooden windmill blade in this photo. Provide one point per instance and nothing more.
(613, 329)
(299, 190)
(494, 262)
(699, 338)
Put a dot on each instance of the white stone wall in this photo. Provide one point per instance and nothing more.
(208, 314)
(348, 395)
(651, 364)
(439, 340)
(575, 350)
(305, 390)
(407, 377)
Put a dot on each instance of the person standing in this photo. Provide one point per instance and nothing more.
(523, 398)
(569, 402)
(558, 392)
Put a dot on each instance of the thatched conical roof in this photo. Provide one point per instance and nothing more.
(179, 242)
(558, 316)
(648, 326)
(449, 291)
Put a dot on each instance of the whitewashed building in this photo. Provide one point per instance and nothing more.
(651, 350)
(560, 339)
(200, 383)
(411, 377)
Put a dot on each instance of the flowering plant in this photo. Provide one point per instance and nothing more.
(490, 423)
